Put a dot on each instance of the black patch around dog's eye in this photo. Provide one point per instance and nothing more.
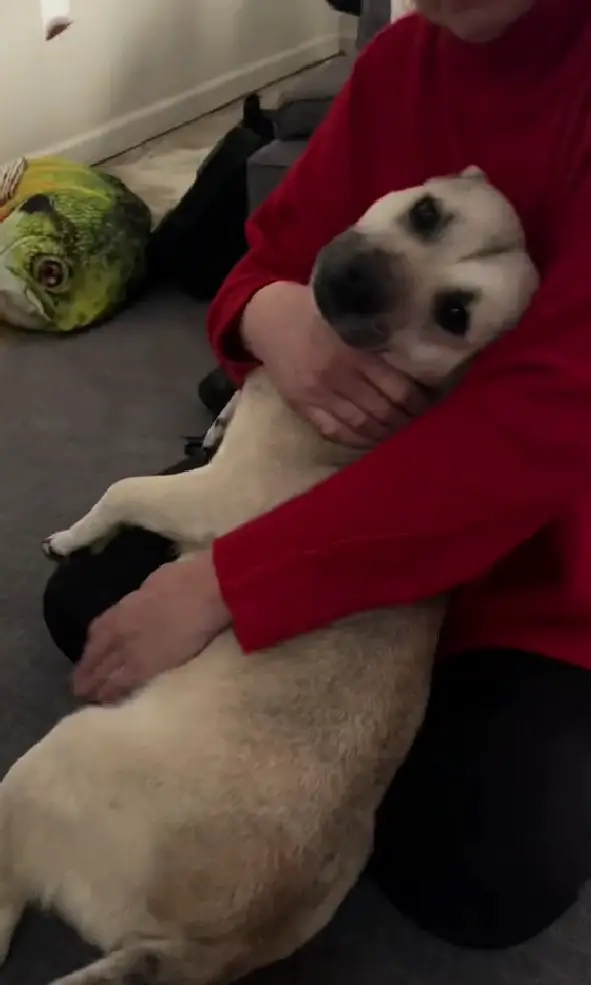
(426, 217)
(451, 312)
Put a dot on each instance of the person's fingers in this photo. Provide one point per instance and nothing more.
(120, 680)
(98, 645)
(355, 418)
(373, 402)
(399, 390)
(102, 640)
(358, 408)
(335, 430)
(87, 685)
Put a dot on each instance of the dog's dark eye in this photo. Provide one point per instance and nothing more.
(452, 312)
(426, 217)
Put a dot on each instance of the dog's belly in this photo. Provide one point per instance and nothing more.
(230, 763)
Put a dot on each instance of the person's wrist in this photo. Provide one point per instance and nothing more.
(266, 308)
(205, 585)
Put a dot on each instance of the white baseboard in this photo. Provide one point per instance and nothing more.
(124, 132)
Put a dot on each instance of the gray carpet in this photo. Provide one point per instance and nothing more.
(76, 414)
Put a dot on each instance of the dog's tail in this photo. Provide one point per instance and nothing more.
(160, 963)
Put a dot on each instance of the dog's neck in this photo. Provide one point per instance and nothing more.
(286, 436)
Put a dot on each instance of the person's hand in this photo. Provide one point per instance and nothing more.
(350, 396)
(168, 621)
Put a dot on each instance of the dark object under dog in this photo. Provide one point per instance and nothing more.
(215, 391)
(198, 243)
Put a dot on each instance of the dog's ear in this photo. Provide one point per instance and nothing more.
(474, 172)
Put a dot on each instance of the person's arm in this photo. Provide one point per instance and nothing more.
(320, 196)
(266, 311)
(441, 502)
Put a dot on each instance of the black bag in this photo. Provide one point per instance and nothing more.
(197, 244)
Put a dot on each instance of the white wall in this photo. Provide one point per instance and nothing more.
(348, 26)
(127, 70)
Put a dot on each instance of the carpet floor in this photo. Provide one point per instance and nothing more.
(78, 413)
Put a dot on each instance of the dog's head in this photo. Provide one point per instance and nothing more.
(428, 276)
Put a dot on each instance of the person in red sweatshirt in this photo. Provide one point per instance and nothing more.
(485, 836)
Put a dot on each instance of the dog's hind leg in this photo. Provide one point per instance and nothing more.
(12, 905)
(13, 898)
(179, 507)
(160, 963)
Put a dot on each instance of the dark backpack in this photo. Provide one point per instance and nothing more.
(198, 243)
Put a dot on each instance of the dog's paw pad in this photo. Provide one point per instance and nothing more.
(56, 546)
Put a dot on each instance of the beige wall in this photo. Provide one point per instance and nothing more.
(129, 69)
(348, 32)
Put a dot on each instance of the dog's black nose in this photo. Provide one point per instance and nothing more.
(353, 278)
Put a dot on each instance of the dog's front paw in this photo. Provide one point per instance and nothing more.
(58, 545)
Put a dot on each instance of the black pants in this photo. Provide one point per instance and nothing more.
(484, 838)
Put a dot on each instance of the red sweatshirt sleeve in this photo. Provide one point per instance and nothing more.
(320, 196)
(442, 501)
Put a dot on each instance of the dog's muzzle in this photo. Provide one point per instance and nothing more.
(356, 285)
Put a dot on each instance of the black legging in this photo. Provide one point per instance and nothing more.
(484, 838)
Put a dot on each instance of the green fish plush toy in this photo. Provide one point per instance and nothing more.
(72, 244)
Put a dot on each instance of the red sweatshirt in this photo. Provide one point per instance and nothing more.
(489, 494)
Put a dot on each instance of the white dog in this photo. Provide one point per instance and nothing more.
(213, 822)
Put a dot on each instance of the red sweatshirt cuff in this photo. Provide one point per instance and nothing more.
(317, 587)
(224, 328)
(261, 619)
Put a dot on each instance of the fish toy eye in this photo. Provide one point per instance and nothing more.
(51, 273)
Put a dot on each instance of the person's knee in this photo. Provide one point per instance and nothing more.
(59, 614)
(483, 894)
(86, 584)
(483, 839)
